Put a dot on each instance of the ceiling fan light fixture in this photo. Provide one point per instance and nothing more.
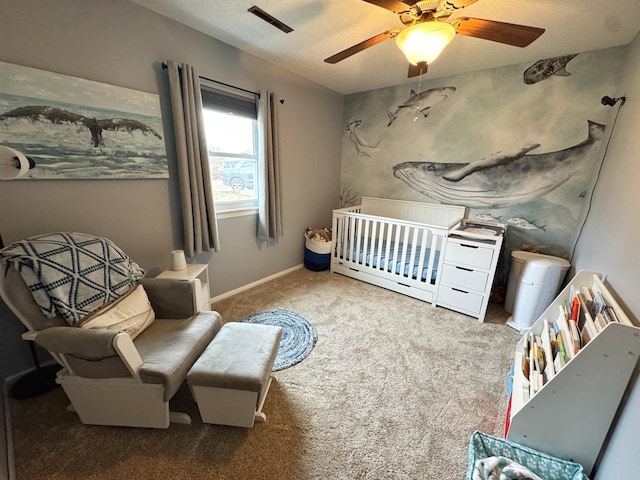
(423, 42)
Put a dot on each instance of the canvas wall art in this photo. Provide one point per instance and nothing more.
(75, 128)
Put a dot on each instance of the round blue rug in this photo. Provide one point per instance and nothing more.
(298, 335)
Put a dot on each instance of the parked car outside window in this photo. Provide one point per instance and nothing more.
(239, 174)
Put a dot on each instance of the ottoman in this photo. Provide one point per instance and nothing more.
(231, 378)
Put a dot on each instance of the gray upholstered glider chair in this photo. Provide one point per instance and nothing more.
(123, 361)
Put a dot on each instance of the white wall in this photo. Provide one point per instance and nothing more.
(609, 244)
(120, 43)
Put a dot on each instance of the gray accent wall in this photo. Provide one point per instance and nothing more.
(609, 244)
(120, 43)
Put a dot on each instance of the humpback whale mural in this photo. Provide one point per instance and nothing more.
(501, 180)
(543, 69)
(59, 116)
(362, 146)
(424, 101)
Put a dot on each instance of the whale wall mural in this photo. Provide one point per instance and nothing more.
(522, 153)
(76, 128)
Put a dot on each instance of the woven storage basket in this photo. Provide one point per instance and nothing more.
(545, 466)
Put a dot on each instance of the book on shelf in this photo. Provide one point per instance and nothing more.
(569, 336)
(587, 295)
(547, 347)
(589, 329)
(580, 318)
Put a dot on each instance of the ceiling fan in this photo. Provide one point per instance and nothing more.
(427, 32)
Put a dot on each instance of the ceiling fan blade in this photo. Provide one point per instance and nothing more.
(508, 33)
(381, 37)
(415, 70)
(395, 6)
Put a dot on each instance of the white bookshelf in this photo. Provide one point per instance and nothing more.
(570, 416)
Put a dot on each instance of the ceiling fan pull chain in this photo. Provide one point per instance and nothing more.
(418, 102)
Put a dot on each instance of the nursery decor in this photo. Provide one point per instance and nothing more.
(298, 335)
(517, 145)
(77, 128)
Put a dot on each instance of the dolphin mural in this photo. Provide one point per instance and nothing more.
(543, 69)
(362, 146)
(59, 116)
(503, 179)
(424, 101)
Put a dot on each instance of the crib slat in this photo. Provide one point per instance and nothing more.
(423, 252)
(360, 221)
(381, 244)
(352, 234)
(390, 229)
(434, 248)
(365, 242)
(336, 228)
(398, 229)
(412, 257)
(403, 257)
(374, 240)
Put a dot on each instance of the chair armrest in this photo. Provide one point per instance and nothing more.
(128, 354)
(171, 297)
(91, 345)
(86, 343)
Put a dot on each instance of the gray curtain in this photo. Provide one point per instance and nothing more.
(269, 191)
(198, 213)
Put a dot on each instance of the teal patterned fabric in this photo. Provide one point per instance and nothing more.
(547, 467)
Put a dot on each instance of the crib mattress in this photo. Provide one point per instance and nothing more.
(381, 262)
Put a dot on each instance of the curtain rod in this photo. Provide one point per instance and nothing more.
(257, 94)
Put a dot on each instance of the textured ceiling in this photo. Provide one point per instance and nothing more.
(325, 27)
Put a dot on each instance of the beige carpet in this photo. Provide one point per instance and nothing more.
(392, 390)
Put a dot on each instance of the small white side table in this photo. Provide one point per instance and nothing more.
(198, 272)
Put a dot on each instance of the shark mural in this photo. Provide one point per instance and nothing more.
(501, 180)
(355, 136)
(422, 102)
(543, 69)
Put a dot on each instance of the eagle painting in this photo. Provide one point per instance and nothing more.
(95, 126)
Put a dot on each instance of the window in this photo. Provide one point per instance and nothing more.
(231, 131)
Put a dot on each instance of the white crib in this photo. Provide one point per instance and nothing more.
(394, 244)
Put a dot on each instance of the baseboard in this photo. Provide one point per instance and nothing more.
(255, 284)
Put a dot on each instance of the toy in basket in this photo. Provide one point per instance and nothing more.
(317, 248)
(488, 455)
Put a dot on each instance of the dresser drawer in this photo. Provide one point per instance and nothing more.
(468, 253)
(464, 278)
(458, 298)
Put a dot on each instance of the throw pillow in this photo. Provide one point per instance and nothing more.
(131, 313)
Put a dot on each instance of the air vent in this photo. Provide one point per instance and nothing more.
(258, 12)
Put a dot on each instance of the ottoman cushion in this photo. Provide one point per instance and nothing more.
(240, 357)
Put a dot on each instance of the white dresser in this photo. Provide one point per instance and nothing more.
(470, 258)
